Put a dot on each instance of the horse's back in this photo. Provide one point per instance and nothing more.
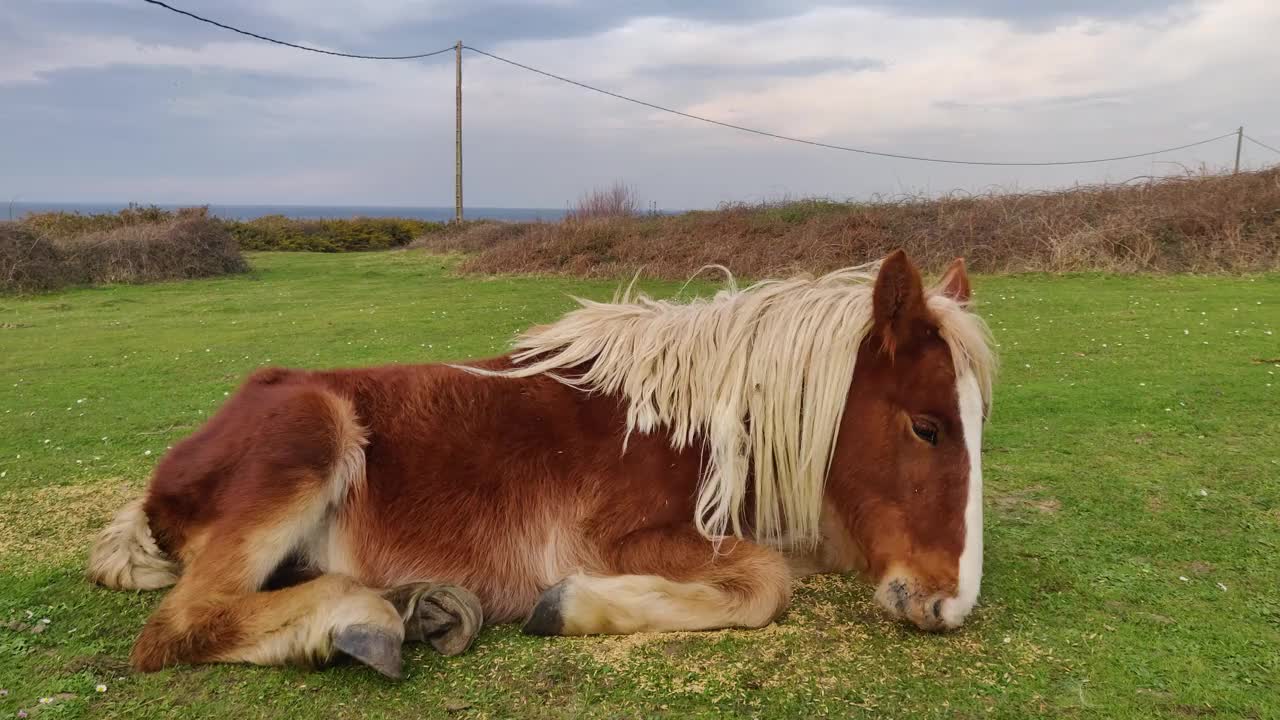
(500, 485)
(471, 480)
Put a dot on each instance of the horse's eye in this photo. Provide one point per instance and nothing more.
(925, 430)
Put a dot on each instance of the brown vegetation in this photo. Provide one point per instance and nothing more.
(1203, 223)
(189, 245)
(270, 232)
(616, 201)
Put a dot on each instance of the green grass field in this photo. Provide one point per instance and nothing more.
(1133, 532)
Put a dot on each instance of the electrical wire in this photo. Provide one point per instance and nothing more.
(845, 148)
(215, 23)
(700, 118)
(1255, 141)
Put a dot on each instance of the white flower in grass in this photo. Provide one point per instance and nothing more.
(100, 688)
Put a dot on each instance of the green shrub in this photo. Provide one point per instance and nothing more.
(277, 232)
(271, 232)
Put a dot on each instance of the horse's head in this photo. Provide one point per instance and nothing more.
(906, 479)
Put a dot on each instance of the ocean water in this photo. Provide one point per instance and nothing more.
(311, 212)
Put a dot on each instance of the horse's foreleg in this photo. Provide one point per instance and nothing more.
(206, 619)
(216, 614)
(665, 580)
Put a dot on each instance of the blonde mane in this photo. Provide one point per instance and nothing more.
(759, 375)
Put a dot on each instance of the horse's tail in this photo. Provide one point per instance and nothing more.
(126, 557)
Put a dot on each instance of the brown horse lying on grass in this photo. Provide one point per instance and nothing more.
(635, 466)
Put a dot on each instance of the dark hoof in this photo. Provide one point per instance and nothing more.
(373, 646)
(447, 616)
(546, 618)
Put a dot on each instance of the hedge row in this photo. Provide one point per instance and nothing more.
(271, 232)
(189, 245)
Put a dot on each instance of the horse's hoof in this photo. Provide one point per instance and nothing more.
(547, 619)
(447, 616)
(373, 646)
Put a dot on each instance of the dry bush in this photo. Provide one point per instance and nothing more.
(1202, 223)
(29, 262)
(59, 225)
(472, 236)
(191, 245)
(616, 201)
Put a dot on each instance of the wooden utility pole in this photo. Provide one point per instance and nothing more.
(457, 181)
(1239, 142)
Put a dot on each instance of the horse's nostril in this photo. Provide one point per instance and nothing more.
(937, 609)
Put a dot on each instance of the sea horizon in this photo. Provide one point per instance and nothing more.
(249, 211)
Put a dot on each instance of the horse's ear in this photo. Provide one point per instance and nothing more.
(898, 299)
(955, 282)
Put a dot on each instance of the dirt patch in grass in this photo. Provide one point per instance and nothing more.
(53, 526)
(1027, 499)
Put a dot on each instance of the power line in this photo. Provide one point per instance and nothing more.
(844, 148)
(699, 118)
(215, 23)
(1259, 142)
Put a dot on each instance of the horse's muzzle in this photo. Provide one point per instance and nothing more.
(934, 612)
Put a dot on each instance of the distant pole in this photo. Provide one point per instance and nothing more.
(457, 181)
(1239, 142)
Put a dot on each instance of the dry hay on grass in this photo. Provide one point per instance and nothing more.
(833, 639)
(812, 611)
(53, 526)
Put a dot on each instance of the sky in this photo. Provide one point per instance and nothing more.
(118, 100)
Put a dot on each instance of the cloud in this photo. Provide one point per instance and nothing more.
(98, 96)
(799, 67)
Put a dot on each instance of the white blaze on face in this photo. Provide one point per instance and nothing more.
(954, 610)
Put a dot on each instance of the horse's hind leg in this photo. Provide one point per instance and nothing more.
(668, 579)
(294, 481)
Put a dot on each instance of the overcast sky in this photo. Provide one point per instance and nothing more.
(117, 100)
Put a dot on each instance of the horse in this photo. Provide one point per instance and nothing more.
(638, 465)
